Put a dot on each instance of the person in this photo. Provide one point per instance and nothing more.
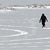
(43, 19)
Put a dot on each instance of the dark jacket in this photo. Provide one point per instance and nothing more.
(43, 18)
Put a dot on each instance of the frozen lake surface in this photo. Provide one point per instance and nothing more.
(21, 30)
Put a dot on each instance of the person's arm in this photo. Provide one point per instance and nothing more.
(40, 20)
(47, 19)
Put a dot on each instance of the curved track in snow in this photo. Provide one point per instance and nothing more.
(14, 30)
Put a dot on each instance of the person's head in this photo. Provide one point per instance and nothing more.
(43, 14)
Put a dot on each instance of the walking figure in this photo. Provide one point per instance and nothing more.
(43, 19)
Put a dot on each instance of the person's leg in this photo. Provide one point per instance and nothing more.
(43, 24)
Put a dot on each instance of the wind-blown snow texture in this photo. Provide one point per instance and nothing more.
(20, 29)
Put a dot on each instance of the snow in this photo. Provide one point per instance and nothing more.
(21, 30)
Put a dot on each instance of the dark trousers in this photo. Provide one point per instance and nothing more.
(43, 24)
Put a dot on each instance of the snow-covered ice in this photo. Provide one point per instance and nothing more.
(21, 30)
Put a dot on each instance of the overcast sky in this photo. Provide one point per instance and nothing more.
(23, 2)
